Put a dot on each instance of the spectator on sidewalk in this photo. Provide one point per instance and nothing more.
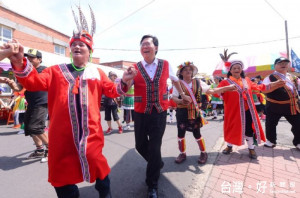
(188, 115)
(36, 112)
(241, 119)
(282, 102)
(172, 104)
(75, 134)
(216, 101)
(18, 106)
(111, 108)
(128, 107)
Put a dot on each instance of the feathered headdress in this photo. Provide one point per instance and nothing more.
(225, 57)
(82, 33)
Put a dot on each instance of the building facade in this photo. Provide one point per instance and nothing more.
(123, 65)
(32, 34)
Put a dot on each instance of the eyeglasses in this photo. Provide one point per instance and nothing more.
(145, 44)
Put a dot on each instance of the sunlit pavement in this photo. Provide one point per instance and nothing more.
(274, 174)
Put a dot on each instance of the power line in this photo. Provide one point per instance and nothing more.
(144, 6)
(202, 48)
(174, 49)
(274, 10)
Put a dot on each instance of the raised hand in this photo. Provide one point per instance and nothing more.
(8, 49)
(278, 83)
(231, 87)
(186, 99)
(129, 74)
(17, 57)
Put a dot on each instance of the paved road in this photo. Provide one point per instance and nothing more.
(24, 178)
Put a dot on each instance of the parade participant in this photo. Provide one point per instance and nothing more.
(258, 100)
(217, 102)
(241, 120)
(150, 106)
(128, 107)
(18, 105)
(2, 103)
(172, 104)
(188, 115)
(283, 101)
(258, 79)
(36, 112)
(111, 108)
(76, 137)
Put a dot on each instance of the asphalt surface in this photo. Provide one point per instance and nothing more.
(22, 178)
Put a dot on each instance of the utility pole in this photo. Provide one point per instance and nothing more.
(286, 30)
(287, 40)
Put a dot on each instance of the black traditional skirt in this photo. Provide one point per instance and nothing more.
(184, 123)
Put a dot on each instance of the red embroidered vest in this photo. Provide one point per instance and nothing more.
(149, 93)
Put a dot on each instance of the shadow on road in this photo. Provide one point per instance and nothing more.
(128, 178)
(10, 163)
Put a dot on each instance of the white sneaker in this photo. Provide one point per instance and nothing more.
(269, 144)
(127, 127)
(44, 160)
(298, 146)
(21, 132)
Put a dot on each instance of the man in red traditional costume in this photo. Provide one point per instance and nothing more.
(150, 106)
(74, 98)
(282, 102)
(241, 121)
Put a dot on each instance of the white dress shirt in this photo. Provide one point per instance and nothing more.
(151, 69)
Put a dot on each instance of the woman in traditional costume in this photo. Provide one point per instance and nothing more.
(216, 101)
(241, 121)
(188, 115)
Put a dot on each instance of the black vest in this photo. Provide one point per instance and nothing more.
(280, 94)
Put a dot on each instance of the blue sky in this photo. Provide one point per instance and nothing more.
(208, 26)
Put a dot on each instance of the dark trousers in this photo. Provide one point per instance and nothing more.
(272, 120)
(249, 129)
(149, 130)
(35, 118)
(128, 115)
(111, 109)
(71, 191)
(196, 133)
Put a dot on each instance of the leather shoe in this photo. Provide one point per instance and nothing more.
(227, 150)
(203, 158)
(252, 154)
(181, 158)
(152, 193)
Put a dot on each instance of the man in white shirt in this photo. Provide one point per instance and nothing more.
(282, 102)
(150, 106)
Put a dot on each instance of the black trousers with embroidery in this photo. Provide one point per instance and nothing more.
(149, 130)
(272, 120)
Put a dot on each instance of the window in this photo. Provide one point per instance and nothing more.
(58, 49)
(7, 91)
(5, 34)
